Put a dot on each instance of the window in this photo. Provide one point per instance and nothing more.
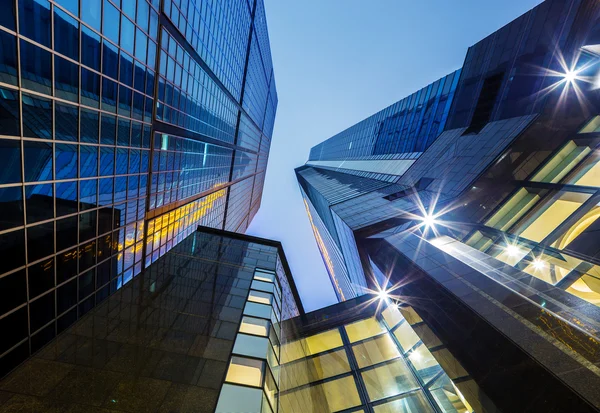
(562, 163)
(406, 336)
(389, 380)
(424, 362)
(251, 346)
(34, 20)
(255, 326)
(361, 330)
(374, 351)
(330, 396)
(414, 402)
(239, 399)
(392, 316)
(245, 371)
(588, 174)
(513, 209)
(323, 341)
(260, 297)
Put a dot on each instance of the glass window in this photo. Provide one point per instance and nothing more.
(110, 22)
(406, 336)
(36, 68)
(389, 380)
(424, 362)
(245, 371)
(323, 341)
(141, 42)
(392, 316)
(90, 88)
(239, 399)
(260, 297)
(38, 161)
(562, 163)
(66, 34)
(90, 48)
(89, 126)
(8, 57)
(38, 200)
(34, 20)
(40, 241)
(66, 79)
(110, 60)
(377, 350)
(445, 394)
(255, 326)
(551, 215)
(143, 12)
(251, 346)
(588, 174)
(66, 197)
(66, 234)
(330, 396)
(587, 287)
(13, 291)
(308, 370)
(7, 17)
(363, 329)
(262, 286)
(87, 194)
(88, 161)
(263, 276)
(91, 13)
(513, 209)
(270, 390)
(127, 35)
(592, 126)
(67, 122)
(10, 158)
(577, 228)
(9, 112)
(414, 402)
(66, 161)
(108, 131)
(258, 310)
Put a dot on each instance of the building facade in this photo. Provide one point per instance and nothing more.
(489, 231)
(123, 126)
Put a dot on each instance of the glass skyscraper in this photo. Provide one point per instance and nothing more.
(124, 124)
(477, 207)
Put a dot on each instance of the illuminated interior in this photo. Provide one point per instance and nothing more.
(562, 163)
(513, 209)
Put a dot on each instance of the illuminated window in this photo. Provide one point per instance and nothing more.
(587, 288)
(340, 394)
(424, 362)
(592, 126)
(562, 163)
(260, 297)
(406, 336)
(479, 241)
(512, 210)
(239, 399)
(389, 380)
(323, 341)
(446, 393)
(392, 316)
(410, 315)
(245, 371)
(581, 225)
(258, 310)
(321, 367)
(375, 351)
(270, 388)
(255, 326)
(414, 402)
(263, 276)
(364, 329)
(251, 346)
(551, 215)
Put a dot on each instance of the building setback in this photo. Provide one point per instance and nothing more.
(481, 213)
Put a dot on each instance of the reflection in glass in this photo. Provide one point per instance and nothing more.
(245, 371)
(330, 396)
(388, 380)
(375, 351)
(424, 362)
(254, 326)
(363, 329)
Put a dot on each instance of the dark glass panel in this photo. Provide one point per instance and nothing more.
(12, 248)
(66, 81)
(90, 48)
(89, 126)
(139, 77)
(108, 130)
(66, 232)
(14, 329)
(138, 106)
(107, 161)
(66, 296)
(10, 159)
(67, 122)
(66, 266)
(87, 255)
(103, 273)
(66, 34)
(132, 187)
(88, 194)
(71, 5)
(37, 117)
(86, 284)
(109, 95)
(146, 137)
(110, 22)
(149, 82)
(90, 88)
(125, 96)
(87, 226)
(7, 18)
(105, 192)
(66, 198)
(13, 291)
(41, 311)
(86, 306)
(8, 57)
(41, 277)
(110, 60)
(136, 134)
(11, 205)
(88, 161)
(122, 158)
(36, 68)
(126, 69)
(120, 188)
(123, 132)
(9, 112)
(91, 14)
(38, 161)
(34, 20)
(134, 161)
(39, 203)
(40, 241)
(66, 161)
(127, 35)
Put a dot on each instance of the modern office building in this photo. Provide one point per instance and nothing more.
(123, 126)
(486, 221)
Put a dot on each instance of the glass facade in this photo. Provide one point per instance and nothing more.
(124, 126)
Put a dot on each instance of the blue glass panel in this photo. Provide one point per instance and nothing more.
(144, 161)
(71, 5)
(9, 112)
(125, 97)
(108, 129)
(136, 134)
(128, 7)
(65, 161)
(110, 60)
(107, 161)
(66, 80)
(146, 137)
(34, 20)
(40, 241)
(123, 129)
(122, 160)
(134, 161)
(36, 68)
(10, 159)
(105, 195)
(66, 198)
(110, 22)
(39, 202)
(138, 106)
(89, 126)
(11, 203)
(143, 14)
(126, 69)
(66, 34)
(120, 190)
(92, 13)
(132, 187)
(90, 88)
(37, 117)
(109, 95)
(87, 194)
(153, 24)
(90, 48)
(8, 58)
(139, 77)
(88, 161)
(151, 55)
(141, 45)
(38, 161)
(7, 17)
(67, 121)
(127, 35)
(143, 185)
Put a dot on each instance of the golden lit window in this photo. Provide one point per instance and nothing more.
(392, 316)
(581, 225)
(377, 350)
(592, 126)
(332, 396)
(254, 326)
(513, 209)
(363, 329)
(323, 341)
(587, 288)
(406, 336)
(245, 371)
(414, 402)
(562, 163)
(260, 297)
(389, 380)
(424, 362)
(263, 276)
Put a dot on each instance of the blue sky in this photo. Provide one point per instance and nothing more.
(337, 62)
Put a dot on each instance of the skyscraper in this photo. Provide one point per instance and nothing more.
(486, 226)
(123, 126)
